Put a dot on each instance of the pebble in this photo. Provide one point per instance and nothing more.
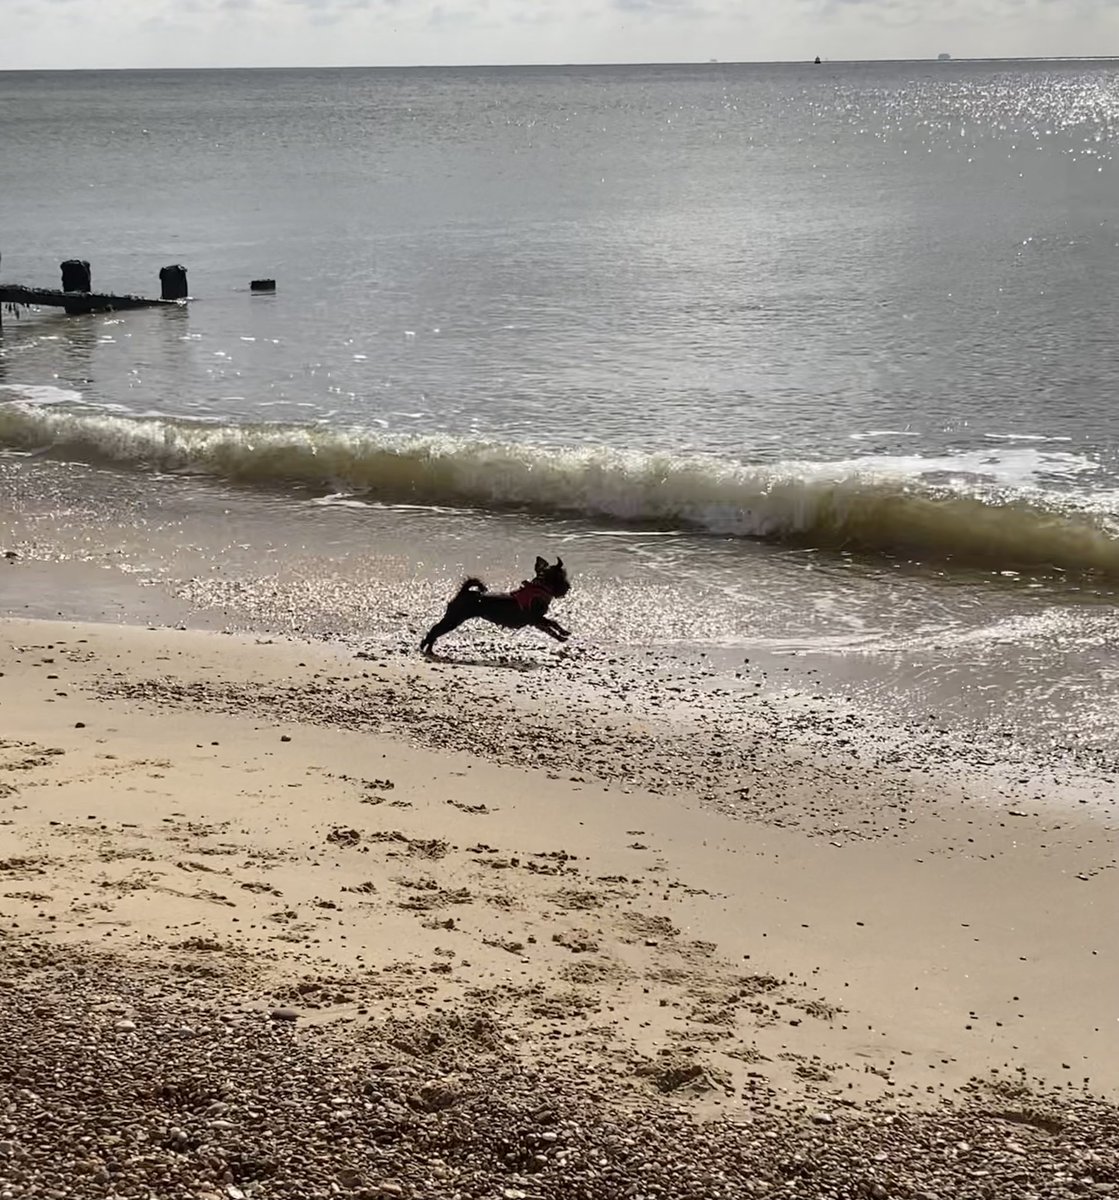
(125, 1026)
(284, 1014)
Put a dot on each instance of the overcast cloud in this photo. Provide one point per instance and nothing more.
(167, 33)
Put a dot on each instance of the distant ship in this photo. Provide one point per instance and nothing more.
(944, 58)
(817, 60)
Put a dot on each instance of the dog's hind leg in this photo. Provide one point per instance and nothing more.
(452, 619)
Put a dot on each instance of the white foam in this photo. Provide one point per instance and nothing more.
(38, 393)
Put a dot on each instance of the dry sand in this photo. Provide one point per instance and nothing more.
(466, 877)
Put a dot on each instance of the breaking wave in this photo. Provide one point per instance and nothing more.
(853, 506)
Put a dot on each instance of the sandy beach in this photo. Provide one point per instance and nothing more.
(501, 888)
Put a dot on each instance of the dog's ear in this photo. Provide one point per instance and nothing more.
(559, 562)
(541, 564)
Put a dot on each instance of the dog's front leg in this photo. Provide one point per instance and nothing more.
(551, 628)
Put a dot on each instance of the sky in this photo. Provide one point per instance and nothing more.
(219, 33)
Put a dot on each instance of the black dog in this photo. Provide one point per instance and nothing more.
(528, 605)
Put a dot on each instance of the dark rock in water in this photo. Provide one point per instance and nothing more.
(817, 60)
(76, 276)
(173, 282)
(262, 285)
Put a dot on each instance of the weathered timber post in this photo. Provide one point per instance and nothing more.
(173, 281)
(76, 277)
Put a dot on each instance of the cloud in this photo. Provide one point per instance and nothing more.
(339, 6)
(59, 33)
(444, 15)
(665, 8)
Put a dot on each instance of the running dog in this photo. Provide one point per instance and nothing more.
(528, 605)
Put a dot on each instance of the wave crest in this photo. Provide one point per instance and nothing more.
(832, 506)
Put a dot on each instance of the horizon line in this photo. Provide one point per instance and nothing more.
(484, 66)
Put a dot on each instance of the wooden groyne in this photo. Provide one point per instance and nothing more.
(76, 302)
(76, 296)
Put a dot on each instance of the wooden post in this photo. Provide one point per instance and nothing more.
(76, 277)
(173, 282)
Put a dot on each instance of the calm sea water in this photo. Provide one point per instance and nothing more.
(650, 315)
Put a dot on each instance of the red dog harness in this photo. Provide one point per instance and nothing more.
(531, 593)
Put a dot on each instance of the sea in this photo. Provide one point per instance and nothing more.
(804, 370)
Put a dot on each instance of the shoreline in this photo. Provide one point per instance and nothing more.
(746, 692)
(924, 674)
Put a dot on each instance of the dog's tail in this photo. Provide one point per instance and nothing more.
(471, 585)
